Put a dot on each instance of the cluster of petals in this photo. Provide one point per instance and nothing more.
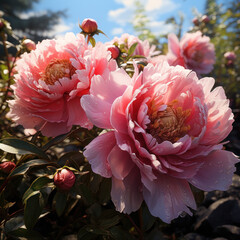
(143, 48)
(51, 80)
(164, 132)
(193, 51)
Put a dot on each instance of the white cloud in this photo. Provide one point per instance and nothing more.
(117, 31)
(60, 29)
(153, 9)
(160, 27)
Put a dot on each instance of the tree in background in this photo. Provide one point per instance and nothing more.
(35, 26)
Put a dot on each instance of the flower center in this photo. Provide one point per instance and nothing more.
(57, 69)
(198, 56)
(168, 124)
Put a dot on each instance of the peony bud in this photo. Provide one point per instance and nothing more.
(230, 56)
(205, 19)
(195, 21)
(89, 25)
(29, 44)
(7, 167)
(114, 51)
(64, 179)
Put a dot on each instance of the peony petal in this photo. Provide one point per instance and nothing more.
(168, 197)
(120, 162)
(217, 171)
(127, 194)
(97, 153)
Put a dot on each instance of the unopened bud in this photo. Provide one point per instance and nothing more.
(114, 51)
(89, 25)
(29, 44)
(205, 19)
(7, 167)
(230, 56)
(64, 179)
(195, 21)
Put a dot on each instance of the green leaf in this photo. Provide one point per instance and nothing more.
(105, 189)
(18, 146)
(60, 201)
(132, 49)
(26, 234)
(84, 234)
(118, 233)
(33, 208)
(22, 169)
(36, 185)
(13, 223)
(92, 41)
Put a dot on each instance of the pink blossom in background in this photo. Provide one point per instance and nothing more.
(165, 128)
(143, 48)
(52, 79)
(230, 56)
(193, 51)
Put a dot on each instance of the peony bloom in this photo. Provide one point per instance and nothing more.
(143, 48)
(52, 79)
(7, 167)
(194, 52)
(165, 128)
(64, 179)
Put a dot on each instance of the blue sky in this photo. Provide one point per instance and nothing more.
(113, 16)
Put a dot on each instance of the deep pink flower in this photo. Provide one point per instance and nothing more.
(89, 25)
(64, 179)
(7, 167)
(194, 52)
(52, 79)
(164, 132)
(143, 48)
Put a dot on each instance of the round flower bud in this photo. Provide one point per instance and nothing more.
(230, 56)
(114, 51)
(195, 21)
(7, 167)
(205, 19)
(64, 179)
(29, 44)
(89, 25)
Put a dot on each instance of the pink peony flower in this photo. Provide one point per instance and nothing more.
(64, 179)
(194, 52)
(7, 167)
(52, 79)
(165, 128)
(143, 48)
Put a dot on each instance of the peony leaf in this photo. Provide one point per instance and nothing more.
(32, 210)
(14, 223)
(132, 49)
(18, 146)
(22, 169)
(36, 185)
(23, 233)
(60, 201)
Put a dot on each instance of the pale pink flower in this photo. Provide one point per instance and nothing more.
(164, 128)
(194, 52)
(52, 79)
(143, 48)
